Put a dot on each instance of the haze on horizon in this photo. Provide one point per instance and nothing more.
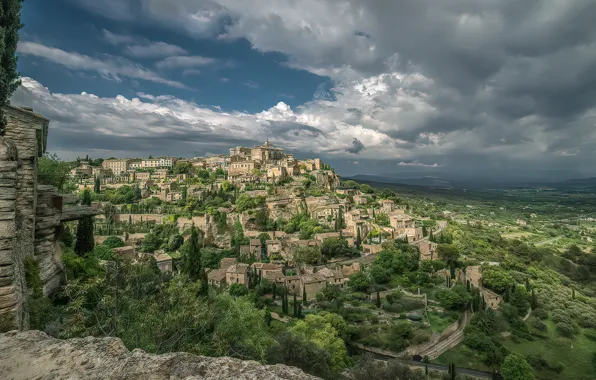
(456, 86)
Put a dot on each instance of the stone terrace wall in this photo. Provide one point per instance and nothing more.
(9, 308)
(24, 141)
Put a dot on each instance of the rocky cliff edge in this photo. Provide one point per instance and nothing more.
(35, 355)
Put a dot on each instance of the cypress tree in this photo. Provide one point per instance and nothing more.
(10, 23)
(192, 264)
(97, 186)
(274, 290)
(533, 300)
(299, 311)
(378, 299)
(573, 293)
(358, 239)
(85, 242)
(304, 301)
(527, 284)
(295, 306)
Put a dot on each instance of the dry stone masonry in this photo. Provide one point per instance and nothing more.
(29, 215)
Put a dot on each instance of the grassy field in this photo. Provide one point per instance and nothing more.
(575, 354)
(517, 235)
(439, 321)
(462, 356)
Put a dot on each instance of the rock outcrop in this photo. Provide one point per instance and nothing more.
(35, 355)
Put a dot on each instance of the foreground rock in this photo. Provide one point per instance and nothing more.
(35, 355)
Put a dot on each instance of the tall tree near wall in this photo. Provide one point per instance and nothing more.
(10, 23)
(85, 243)
(192, 264)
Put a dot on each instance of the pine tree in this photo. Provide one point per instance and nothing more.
(85, 242)
(10, 22)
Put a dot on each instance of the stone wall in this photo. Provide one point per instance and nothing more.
(24, 141)
(9, 308)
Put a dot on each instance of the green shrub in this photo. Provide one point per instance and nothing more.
(590, 334)
(565, 329)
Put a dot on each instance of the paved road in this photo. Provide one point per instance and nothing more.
(437, 367)
(548, 241)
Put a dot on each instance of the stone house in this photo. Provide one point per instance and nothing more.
(277, 173)
(161, 174)
(414, 234)
(116, 166)
(371, 249)
(360, 199)
(264, 269)
(242, 168)
(256, 248)
(387, 206)
(293, 284)
(312, 284)
(492, 299)
(237, 274)
(142, 176)
(164, 262)
(126, 252)
(401, 221)
(349, 269)
(273, 247)
(217, 278)
(333, 277)
(473, 274)
(83, 171)
(428, 250)
(226, 262)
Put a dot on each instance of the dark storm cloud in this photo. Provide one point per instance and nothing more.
(357, 146)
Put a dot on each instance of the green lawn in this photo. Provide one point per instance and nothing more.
(462, 356)
(439, 321)
(575, 354)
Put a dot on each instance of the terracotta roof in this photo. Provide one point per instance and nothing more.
(217, 275)
(310, 278)
(237, 268)
(163, 257)
(255, 242)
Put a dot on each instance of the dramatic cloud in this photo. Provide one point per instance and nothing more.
(356, 147)
(108, 66)
(464, 84)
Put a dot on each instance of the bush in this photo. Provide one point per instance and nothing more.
(538, 324)
(590, 334)
(540, 313)
(565, 329)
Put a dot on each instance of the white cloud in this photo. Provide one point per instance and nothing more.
(251, 84)
(155, 49)
(108, 66)
(184, 62)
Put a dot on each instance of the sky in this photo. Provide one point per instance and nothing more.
(486, 87)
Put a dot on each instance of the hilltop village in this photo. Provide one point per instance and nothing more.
(301, 227)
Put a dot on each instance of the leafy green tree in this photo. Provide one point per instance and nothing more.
(97, 186)
(113, 242)
(237, 290)
(175, 242)
(520, 299)
(53, 171)
(336, 247)
(367, 189)
(447, 253)
(456, 298)
(292, 349)
(497, 278)
(515, 367)
(307, 255)
(85, 242)
(359, 281)
(317, 329)
(10, 20)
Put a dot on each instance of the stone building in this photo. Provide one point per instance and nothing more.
(237, 274)
(164, 262)
(30, 215)
(117, 166)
